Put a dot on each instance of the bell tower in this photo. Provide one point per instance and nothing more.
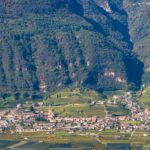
(50, 114)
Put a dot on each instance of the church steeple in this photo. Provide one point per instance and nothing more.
(50, 113)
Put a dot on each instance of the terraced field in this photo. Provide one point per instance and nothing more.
(145, 98)
(140, 137)
(77, 110)
(42, 140)
(74, 102)
(72, 96)
(113, 139)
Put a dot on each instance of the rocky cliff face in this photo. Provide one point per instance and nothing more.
(47, 45)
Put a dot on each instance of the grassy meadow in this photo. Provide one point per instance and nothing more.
(75, 102)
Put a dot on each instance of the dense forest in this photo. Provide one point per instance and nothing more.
(48, 45)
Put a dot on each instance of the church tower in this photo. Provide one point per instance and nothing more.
(50, 114)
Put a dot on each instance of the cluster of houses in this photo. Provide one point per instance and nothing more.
(24, 120)
(140, 117)
(20, 120)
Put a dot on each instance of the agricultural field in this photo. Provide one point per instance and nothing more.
(132, 122)
(72, 96)
(140, 137)
(115, 136)
(30, 145)
(117, 110)
(75, 102)
(62, 139)
(77, 110)
(145, 98)
(7, 102)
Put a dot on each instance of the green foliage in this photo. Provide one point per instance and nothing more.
(117, 110)
(139, 24)
(46, 46)
(32, 109)
(145, 97)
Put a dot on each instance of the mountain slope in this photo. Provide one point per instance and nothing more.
(139, 25)
(47, 45)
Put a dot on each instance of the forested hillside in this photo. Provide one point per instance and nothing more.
(48, 45)
(139, 24)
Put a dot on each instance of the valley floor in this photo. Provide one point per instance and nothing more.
(80, 120)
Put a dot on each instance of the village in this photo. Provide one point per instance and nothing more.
(19, 119)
